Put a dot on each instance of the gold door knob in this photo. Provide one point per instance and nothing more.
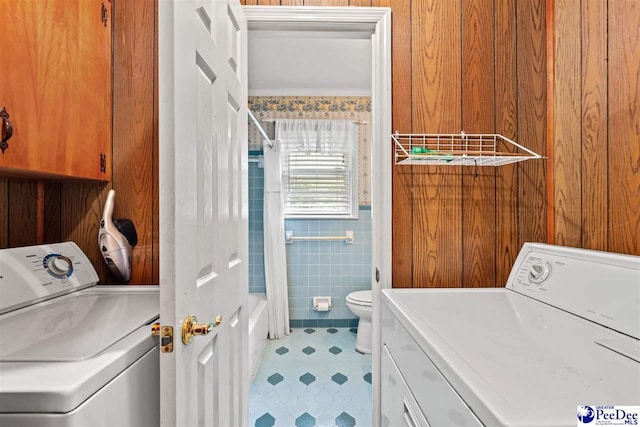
(217, 320)
(191, 328)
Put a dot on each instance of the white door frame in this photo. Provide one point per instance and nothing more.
(378, 21)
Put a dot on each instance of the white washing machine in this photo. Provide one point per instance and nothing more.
(564, 333)
(73, 354)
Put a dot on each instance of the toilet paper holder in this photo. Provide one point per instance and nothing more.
(322, 303)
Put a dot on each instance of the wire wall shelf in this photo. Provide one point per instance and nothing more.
(462, 149)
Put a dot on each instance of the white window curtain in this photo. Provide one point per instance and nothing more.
(319, 167)
(275, 256)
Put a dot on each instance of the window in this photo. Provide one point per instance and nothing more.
(319, 168)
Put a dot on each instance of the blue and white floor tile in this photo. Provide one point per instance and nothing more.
(313, 377)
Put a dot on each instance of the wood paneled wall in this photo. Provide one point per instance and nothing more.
(73, 209)
(597, 124)
(477, 66)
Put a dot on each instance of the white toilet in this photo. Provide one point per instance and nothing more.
(360, 304)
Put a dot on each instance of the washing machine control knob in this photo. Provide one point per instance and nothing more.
(539, 272)
(58, 265)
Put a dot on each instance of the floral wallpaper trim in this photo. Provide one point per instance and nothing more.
(310, 103)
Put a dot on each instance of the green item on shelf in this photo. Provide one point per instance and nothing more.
(420, 150)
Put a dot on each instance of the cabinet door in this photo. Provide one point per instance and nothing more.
(55, 83)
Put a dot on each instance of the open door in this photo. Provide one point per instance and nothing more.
(203, 213)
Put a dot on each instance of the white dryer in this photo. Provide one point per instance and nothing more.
(73, 354)
(563, 336)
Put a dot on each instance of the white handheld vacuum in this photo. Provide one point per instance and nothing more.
(115, 239)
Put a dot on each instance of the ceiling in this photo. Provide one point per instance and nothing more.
(309, 63)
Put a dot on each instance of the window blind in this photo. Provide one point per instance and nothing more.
(319, 168)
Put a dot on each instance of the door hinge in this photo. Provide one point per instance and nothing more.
(166, 336)
(104, 15)
(103, 163)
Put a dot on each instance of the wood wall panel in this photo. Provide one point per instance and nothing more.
(550, 51)
(478, 116)
(155, 270)
(133, 126)
(594, 125)
(436, 107)
(506, 123)
(531, 75)
(567, 132)
(334, 2)
(597, 118)
(22, 213)
(624, 126)
(83, 203)
(402, 241)
(53, 212)
(437, 252)
(362, 3)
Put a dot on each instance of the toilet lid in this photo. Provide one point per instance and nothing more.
(360, 297)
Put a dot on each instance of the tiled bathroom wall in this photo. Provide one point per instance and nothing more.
(256, 230)
(327, 268)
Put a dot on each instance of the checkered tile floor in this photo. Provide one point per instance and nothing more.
(313, 377)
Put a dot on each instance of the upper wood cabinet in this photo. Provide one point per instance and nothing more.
(55, 83)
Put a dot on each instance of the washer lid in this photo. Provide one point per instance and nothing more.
(360, 297)
(48, 386)
(73, 327)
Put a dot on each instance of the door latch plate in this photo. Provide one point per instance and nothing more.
(166, 336)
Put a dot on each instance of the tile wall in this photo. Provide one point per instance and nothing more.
(256, 230)
(327, 268)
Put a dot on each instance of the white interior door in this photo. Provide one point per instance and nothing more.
(203, 210)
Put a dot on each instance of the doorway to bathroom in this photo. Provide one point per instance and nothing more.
(308, 65)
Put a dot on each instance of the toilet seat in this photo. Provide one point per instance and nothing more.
(362, 298)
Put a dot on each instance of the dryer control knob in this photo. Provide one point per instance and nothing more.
(539, 272)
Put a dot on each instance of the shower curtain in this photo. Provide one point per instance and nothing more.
(275, 256)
